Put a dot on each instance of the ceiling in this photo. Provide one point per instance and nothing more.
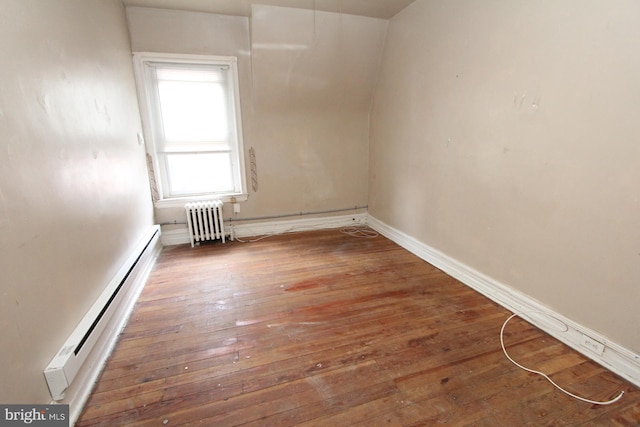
(383, 9)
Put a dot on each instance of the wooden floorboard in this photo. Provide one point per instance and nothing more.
(326, 329)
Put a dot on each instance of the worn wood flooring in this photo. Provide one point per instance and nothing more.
(325, 329)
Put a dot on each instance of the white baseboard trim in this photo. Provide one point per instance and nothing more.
(80, 390)
(615, 357)
(177, 236)
(241, 230)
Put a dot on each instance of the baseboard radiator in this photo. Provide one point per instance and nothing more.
(205, 221)
(66, 364)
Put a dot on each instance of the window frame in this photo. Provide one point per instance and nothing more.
(147, 98)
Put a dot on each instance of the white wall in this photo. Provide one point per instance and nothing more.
(505, 135)
(306, 83)
(74, 195)
(314, 75)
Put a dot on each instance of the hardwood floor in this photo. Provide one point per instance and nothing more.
(325, 329)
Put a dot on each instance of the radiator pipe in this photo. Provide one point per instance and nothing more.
(278, 216)
(174, 223)
(297, 214)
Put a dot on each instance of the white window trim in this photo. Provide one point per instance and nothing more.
(139, 60)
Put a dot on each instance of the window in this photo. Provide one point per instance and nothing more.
(191, 114)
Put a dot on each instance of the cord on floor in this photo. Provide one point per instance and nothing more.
(504, 350)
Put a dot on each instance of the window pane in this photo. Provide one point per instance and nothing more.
(193, 107)
(199, 173)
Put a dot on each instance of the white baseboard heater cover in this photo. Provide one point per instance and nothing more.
(67, 362)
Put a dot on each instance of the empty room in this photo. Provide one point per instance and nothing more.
(320, 212)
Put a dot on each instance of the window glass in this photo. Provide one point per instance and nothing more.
(193, 105)
(195, 173)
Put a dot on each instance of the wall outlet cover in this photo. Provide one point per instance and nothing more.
(593, 345)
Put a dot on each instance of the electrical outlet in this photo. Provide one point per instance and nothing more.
(593, 345)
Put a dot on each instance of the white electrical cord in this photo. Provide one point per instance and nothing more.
(359, 231)
(353, 231)
(265, 236)
(594, 402)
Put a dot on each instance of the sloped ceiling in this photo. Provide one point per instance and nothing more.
(383, 9)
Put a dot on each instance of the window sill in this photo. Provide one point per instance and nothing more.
(179, 202)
